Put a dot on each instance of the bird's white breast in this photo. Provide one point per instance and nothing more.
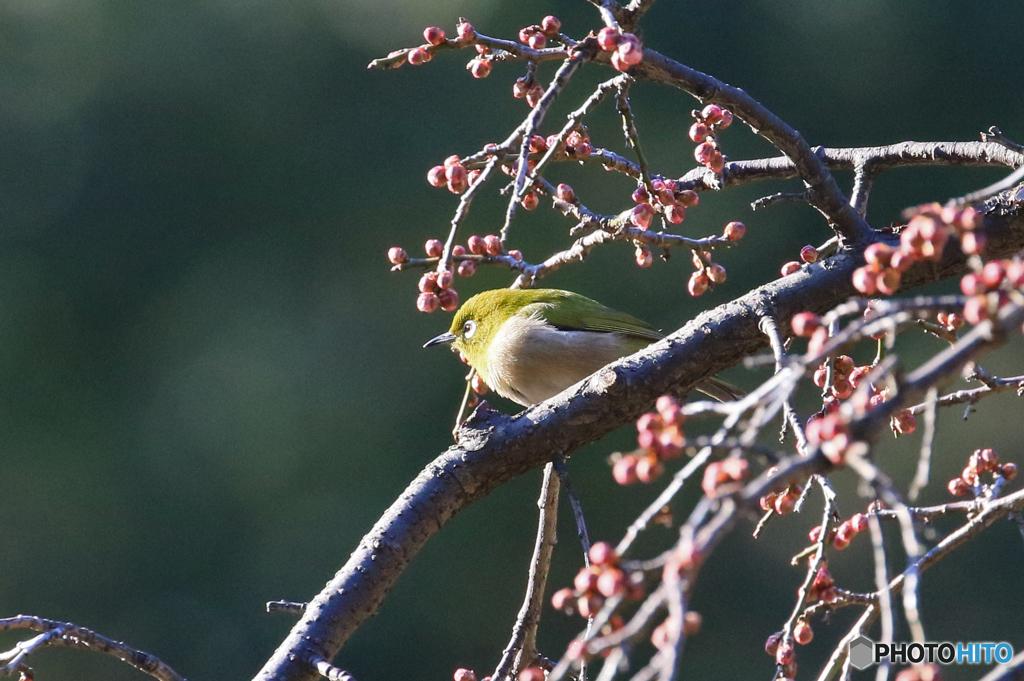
(529, 360)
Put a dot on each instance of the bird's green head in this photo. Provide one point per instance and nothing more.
(478, 320)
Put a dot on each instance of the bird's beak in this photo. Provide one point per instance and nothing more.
(446, 337)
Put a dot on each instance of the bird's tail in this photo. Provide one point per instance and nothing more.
(719, 389)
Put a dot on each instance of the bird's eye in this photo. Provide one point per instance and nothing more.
(468, 329)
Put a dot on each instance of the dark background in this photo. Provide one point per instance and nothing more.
(211, 386)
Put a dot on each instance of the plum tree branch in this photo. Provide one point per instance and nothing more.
(493, 448)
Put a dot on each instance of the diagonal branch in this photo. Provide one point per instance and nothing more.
(825, 193)
(66, 634)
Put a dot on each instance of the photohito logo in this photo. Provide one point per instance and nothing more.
(864, 652)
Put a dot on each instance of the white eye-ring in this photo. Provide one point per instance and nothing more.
(468, 329)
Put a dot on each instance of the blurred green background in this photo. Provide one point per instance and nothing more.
(211, 386)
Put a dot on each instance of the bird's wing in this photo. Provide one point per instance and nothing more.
(579, 313)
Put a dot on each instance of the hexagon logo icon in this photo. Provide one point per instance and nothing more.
(862, 652)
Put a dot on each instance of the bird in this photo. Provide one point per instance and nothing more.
(531, 344)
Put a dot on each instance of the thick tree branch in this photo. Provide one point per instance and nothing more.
(825, 193)
(902, 155)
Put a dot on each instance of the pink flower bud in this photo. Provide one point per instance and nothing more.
(629, 50)
(699, 132)
(433, 248)
(608, 38)
(435, 176)
(397, 255)
(537, 41)
(704, 152)
(434, 35)
(712, 113)
(734, 231)
(809, 254)
(480, 68)
(717, 273)
(804, 324)
(675, 213)
(790, 267)
(698, 284)
(644, 257)
(427, 302)
(530, 201)
(493, 244)
(624, 470)
(477, 245)
(565, 193)
(418, 56)
(465, 31)
(550, 25)
(445, 279)
(449, 299)
(641, 215)
(687, 198)
(864, 281)
(467, 268)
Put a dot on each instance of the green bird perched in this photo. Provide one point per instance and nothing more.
(531, 344)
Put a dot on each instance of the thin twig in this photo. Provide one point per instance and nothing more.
(329, 671)
(532, 123)
(71, 635)
(927, 442)
(577, 507)
(884, 596)
(522, 648)
(289, 607)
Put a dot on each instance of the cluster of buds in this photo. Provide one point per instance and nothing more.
(710, 120)
(665, 632)
(885, 265)
(951, 320)
(841, 536)
(705, 272)
(808, 255)
(526, 87)
(929, 229)
(625, 47)
(659, 436)
(782, 502)
(452, 174)
(982, 461)
(603, 579)
(536, 36)
(845, 380)
(437, 288)
(823, 587)
(843, 370)
(923, 238)
(480, 67)
(668, 199)
(987, 287)
(719, 474)
(577, 145)
(783, 652)
(436, 37)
